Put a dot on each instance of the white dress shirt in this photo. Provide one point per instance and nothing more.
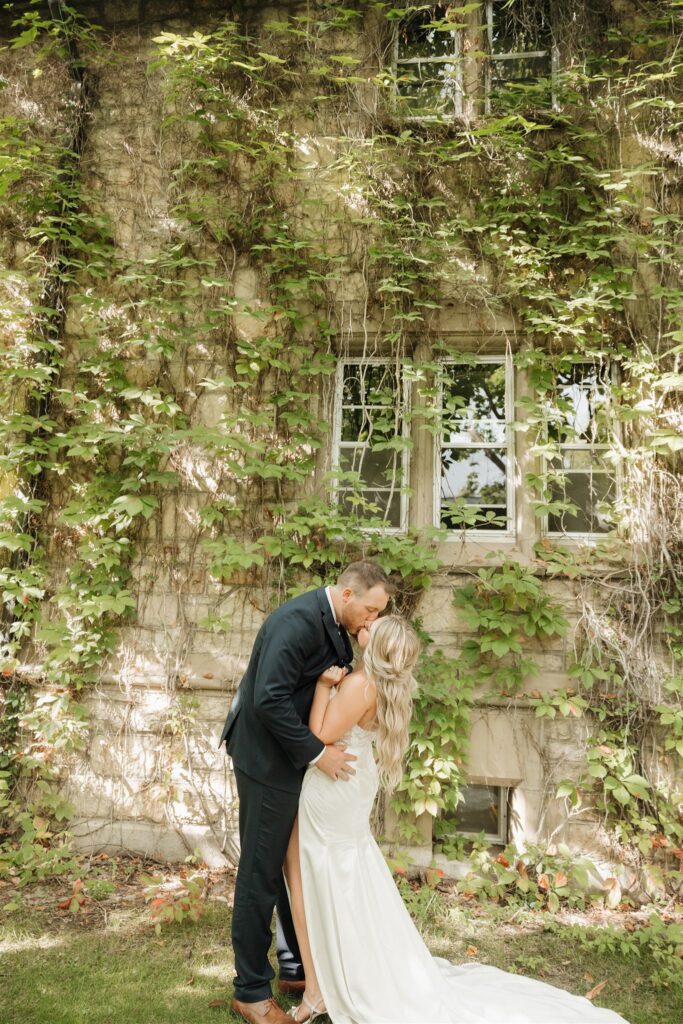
(334, 614)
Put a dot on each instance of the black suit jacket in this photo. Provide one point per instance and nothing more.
(266, 732)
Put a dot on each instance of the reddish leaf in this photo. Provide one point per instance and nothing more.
(503, 860)
(543, 882)
(472, 950)
(613, 897)
(596, 990)
(560, 879)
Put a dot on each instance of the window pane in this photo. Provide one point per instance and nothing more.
(356, 424)
(581, 458)
(428, 88)
(427, 33)
(477, 478)
(383, 504)
(520, 26)
(579, 412)
(370, 402)
(378, 469)
(479, 811)
(521, 69)
(592, 492)
(369, 384)
(474, 404)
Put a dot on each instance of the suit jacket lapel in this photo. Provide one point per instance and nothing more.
(337, 634)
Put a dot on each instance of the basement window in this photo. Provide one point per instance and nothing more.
(482, 809)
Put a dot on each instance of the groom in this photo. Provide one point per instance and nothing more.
(271, 745)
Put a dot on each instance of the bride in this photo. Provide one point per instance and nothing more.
(364, 960)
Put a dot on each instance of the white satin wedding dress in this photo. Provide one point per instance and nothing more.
(372, 964)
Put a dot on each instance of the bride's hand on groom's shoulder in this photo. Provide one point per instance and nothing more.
(332, 675)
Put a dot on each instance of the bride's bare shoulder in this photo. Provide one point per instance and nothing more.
(358, 682)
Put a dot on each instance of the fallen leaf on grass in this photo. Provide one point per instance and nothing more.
(596, 991)
(471, 950)
(218, 1002)
(189, 981)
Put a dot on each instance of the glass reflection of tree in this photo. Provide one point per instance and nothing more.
(474, 447)
(485, 494)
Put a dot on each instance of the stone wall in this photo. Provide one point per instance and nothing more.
(152, 778)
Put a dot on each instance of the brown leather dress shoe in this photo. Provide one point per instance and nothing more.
(291, 987)
(264, 1012)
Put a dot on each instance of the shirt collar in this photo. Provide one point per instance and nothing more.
(329, 598)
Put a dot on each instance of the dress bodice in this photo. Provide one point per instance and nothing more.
(356, 736)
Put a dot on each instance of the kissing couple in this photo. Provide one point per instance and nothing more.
(311, 740)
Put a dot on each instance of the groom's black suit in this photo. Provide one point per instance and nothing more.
(270, 745)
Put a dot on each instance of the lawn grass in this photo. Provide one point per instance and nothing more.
(109, 966)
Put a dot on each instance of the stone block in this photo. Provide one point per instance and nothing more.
(152, 841)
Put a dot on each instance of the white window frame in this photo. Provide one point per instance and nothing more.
(463, 533)
(499, 838)
(553, 52)
(458, 91)
(338, 444)
(484, 64)
(582, 537)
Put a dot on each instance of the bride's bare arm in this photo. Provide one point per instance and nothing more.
(330, 719)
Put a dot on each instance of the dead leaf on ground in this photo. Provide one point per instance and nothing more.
(471, 950)
(218, 1002)
(596, 991)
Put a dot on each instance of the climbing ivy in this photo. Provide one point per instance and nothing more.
(562, 218)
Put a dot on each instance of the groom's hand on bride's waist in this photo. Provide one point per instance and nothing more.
(336, 763)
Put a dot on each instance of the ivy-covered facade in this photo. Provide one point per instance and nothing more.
(286, 285)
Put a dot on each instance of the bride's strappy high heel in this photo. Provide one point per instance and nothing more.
(316, 1010)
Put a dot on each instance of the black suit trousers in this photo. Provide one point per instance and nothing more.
(266, 820)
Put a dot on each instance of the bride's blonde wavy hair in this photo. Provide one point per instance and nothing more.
(388, 660)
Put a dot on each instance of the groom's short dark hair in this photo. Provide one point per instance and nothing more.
(361, 576)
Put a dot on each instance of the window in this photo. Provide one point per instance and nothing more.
(520, 47)
(475, 458)
(482, 809)
(370, 442)
(585, 481)
(428, 68)
(448, 56)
